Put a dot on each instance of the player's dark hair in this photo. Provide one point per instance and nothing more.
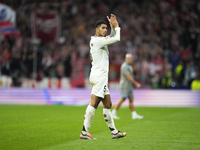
(99, 23)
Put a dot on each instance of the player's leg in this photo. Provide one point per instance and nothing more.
(119, 103)
(88, 117)
(132, 108)
(96, 96)
(114, 111)
(107, 104)
(124, 95)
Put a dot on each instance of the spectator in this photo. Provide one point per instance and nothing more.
(190, 73)
(16, 67)
(5, 62)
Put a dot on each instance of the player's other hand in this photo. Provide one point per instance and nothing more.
(138, 85)
(113, 21)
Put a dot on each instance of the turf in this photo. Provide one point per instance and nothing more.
(57, 127)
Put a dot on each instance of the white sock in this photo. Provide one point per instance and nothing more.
(134, 113)
(109, 120)
(114, 111)
(88, 118)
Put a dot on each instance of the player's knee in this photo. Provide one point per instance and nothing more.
(123, 99)
(94, 105)
(131, 103)
(108, 106)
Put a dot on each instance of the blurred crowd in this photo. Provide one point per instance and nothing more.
(162, 35)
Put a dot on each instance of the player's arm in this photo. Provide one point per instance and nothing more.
(113, 24)
(104, 41)
(126, 73)
(128, 76)
(112, 33)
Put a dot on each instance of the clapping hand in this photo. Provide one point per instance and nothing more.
(113, 21)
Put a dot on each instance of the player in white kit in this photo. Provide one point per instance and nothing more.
(99, 76)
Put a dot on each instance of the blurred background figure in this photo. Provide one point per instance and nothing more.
(16, 67)
(126, 86)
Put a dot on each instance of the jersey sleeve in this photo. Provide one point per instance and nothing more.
(104, 41)
(112, 33)
(125, 70)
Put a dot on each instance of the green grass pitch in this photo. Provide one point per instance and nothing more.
(57, 127)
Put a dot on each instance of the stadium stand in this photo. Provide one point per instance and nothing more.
(163, 37)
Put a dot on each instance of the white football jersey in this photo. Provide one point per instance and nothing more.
(99, 52)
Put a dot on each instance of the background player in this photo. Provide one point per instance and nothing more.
(126, 81)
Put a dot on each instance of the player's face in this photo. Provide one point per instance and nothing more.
(102, 30)
(130, 60)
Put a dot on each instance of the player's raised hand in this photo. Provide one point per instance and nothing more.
(113, 21)
(113, 16)
(109, 19)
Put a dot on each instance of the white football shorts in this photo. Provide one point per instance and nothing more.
(99, 85)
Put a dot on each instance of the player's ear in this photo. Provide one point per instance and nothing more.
(97, 30)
